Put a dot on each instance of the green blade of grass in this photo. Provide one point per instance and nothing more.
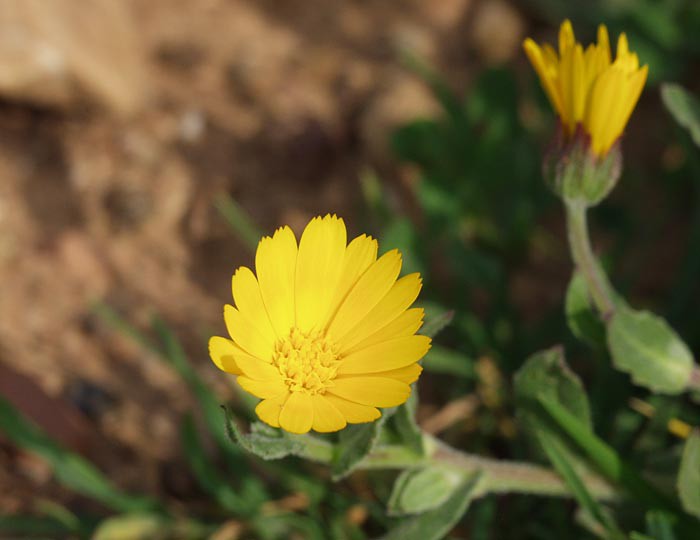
(239, 221)
(604, 457)
(208, 476)
(71, 470)
(578, 488)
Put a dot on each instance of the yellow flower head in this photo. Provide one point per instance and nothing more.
(586, 88)
(323, 334)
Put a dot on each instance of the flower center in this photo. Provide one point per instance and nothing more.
(307, 361)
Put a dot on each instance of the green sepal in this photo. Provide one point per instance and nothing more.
(577, 175)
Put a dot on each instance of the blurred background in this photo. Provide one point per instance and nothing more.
(145, 146)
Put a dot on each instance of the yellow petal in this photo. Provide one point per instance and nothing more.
(297, 415)
(326, 417)
(367, 292)
(407, 374)
(319, 263)
(369, 390)
(255, 368)
(221, 351)
(604, 42)
(359, 255)
(566, 37)
(246, 295)
(269, 410)
(401, 295)
(384, 356)
(275, 265)
(623, 48)
(354, 413)
(270, 388)
(545, 68)
(405, 324)
(245, 335)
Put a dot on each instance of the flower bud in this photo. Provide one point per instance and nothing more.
(576, 173)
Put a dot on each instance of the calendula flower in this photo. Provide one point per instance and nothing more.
(587, 88)
(323, 334)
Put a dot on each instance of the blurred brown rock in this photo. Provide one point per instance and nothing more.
(54, 52)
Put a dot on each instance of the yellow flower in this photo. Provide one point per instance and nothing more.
(586, 88)
(324, 334)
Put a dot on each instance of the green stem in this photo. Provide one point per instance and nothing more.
(516, 477)
(498, 476)
(585, 260)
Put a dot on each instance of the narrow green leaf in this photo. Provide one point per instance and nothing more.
(660, 525)
(684, 107)
(602, 455)
(436, 523)
(419, 490)
(354, 443)
(581, 315)
(689, 475)
(559, 459)
(239, 221)
(173, 352)
(33, 526)
(647, 348)
(443, 360)
(435, 321)
(132, 527)
(209, 478)
(71, 470)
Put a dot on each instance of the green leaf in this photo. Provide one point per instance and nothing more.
(580, 313)
(354, 443)
(132, 527)
(647, 348)
(71, 470)
(240, 222)
(558, 457)
(418, 490)
(275, 527)
(436, 523)
(546, 375)
(601, 455)
(403, 422)
(443, 360)
(689, 475)
(436, 320)
(208, 476)
(660, 525)
(34, 526)
(174, 354)
(264, 442)
(684, 107)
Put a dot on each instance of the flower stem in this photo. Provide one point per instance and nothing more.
(585, 260)
(498, 476)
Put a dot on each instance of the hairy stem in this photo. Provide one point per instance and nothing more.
(498, 476)
(585, 260)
